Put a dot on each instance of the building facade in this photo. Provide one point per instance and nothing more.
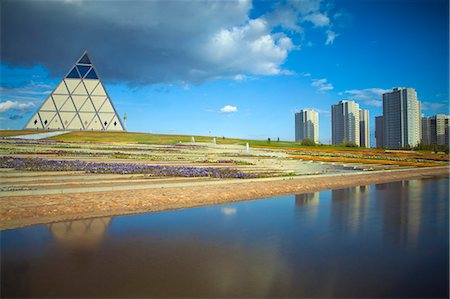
(379, 132)
(307, 125)
(426, 130)
(364, 130)
(401, 118)
(438, 128)
(345, 122)
(435, 130)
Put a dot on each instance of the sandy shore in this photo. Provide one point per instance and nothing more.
(18, 211)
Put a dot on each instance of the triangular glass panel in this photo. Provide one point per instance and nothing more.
(68, 106)
(114, 124)
(72, 84)
(75, 124)
(85, 59)
(96, 124)
(46, 117)
(99, 91)
(73, 74)
(55, 123)
(59, 100)
(107, 107)
(48, 105)
(83, 69)
(98, 101)
(90, 85)
(92, 74)
(86, 118)
(34, 123)
(87, 107)
(79, 101)
(66, 118)
(105, 118)
(80, 90)
(61, 89)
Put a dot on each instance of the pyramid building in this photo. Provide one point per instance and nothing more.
(79, 102)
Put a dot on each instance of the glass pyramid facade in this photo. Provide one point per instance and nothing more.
(79, 102)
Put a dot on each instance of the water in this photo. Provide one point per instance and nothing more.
(386, 240)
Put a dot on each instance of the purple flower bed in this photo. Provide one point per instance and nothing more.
(39, 164)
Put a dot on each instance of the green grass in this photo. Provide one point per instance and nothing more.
(165, 139)
(146, 138)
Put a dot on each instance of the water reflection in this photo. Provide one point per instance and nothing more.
(387, 240)
(84, 233)
(228, 211)
(402, 210)
(350, 209)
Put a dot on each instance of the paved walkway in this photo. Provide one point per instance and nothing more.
(39, 135)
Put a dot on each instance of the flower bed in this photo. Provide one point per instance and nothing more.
(39, 164)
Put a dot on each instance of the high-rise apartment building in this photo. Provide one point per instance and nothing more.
(379, 131)
(307, 125)
(426, 130)
(364, 133)
(436, 129)
(345, 122)
(401, 118)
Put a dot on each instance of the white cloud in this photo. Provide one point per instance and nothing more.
(322, 85)
(249, 48)
(318, 19)
(228, 109)
(239, 77)
(369, 96)
(9, 105)
(331, 36)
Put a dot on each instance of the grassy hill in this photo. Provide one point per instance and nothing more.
(146, 138)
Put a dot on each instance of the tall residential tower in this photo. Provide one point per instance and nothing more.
(401, 118)
(307, 125)
(364, 133)
(345, 122)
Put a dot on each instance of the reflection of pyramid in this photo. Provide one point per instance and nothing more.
(79, 102)
(85, 233)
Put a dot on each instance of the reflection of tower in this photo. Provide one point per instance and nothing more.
(350, 207)
(311, 199)
(402, 206)
(83, 233)
(307, 204)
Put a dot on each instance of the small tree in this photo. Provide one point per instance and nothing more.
(308, 142)
(348, 144)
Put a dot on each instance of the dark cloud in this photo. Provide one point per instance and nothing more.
(145, 42)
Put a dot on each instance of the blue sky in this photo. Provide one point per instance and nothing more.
(229, 68)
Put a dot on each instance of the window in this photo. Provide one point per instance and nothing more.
(91, 74)
(83, 69)
(84, 59)
(73, 74)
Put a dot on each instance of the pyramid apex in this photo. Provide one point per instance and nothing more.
(84, 59)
